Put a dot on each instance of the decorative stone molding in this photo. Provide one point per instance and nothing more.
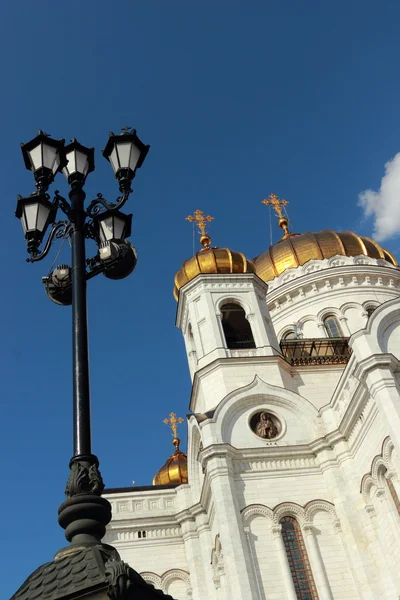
(162, 582)
(247, 352)
(259, 392)
(315, 266)
(123, 534)
(381, 466)
(217, 562)
(254, 510)
(278, 463)
(152, 578)
(303, 514)
(276, 531)
(289, 509)
(308, 528)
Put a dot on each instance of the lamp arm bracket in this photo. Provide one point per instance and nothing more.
(59, 230)
(63, 204)
(90, 231)
(98, 203)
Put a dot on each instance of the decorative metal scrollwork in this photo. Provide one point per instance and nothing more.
(100, 202)
(59, 230)
(63, 204)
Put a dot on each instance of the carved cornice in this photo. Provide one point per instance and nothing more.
(376, 361)
(313, 276)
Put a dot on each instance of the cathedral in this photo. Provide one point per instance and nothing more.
(290, 488)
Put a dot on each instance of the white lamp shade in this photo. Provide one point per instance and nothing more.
(35, 217)
(44, 155)
(124, 155)
(78, 162)
(112, 227)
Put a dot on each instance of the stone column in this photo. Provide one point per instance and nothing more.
(219, 475)
(379, 550)
(317, 564)
(204, 533)
(345, 328)
(253, 562)
(391, 475)
(345, 496)
(283, 560)
(194, 558)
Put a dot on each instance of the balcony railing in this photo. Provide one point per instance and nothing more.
(317, 351)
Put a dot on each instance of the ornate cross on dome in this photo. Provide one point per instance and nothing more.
(173, 422)
(200, 218)
(277, 205)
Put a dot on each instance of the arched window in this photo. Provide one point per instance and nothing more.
(393, 493)
(289, 335)
(370, 310)
(236, 327)
(296, 551)
(332, 327)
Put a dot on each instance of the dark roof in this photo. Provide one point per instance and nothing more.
(74, 573)
(141, 488)
(57, 579)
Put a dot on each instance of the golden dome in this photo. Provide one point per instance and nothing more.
(175, 469)
(212, 260)
(209, 260)
(295, 250)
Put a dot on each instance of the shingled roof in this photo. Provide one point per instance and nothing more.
(74, 573)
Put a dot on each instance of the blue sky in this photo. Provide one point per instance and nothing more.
(237, 99)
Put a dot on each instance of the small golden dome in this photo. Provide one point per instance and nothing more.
(296, 250)
(175, 469)
(212, 260)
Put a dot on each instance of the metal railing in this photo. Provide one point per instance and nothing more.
(316, 351)
(237, 341)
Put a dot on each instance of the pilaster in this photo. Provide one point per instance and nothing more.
(238, 567)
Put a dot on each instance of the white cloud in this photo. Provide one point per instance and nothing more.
(384, 205)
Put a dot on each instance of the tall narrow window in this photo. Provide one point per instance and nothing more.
(236, 327)
(332, 327)
(298, 560)
(394, 495)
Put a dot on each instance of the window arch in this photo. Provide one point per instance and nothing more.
(369, 310)
(236, 327)
(299, 564)
(289, 335)
(332, 327)
(393, 492)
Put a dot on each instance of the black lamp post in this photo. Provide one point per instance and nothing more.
(85, 514)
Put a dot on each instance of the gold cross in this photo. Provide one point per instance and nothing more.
(200, 219)
(173, 422)
(276, 204)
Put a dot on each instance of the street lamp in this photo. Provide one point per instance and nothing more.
(86, 568)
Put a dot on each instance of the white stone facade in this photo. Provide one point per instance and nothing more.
(334, 466)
